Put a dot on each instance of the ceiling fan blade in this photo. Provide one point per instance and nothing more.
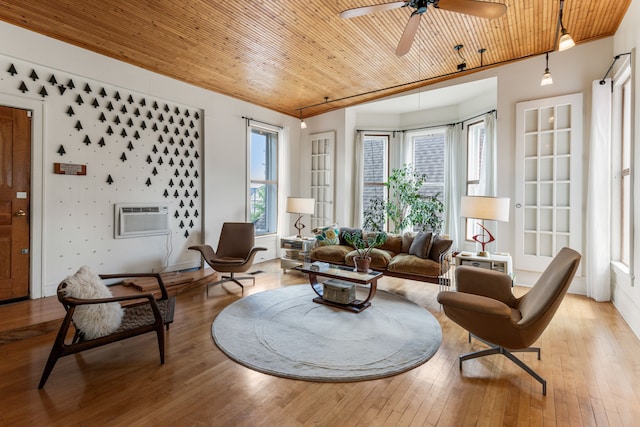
(365, 10)
(408, 35)
(481, 9)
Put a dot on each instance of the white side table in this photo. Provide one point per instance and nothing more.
(501, 263)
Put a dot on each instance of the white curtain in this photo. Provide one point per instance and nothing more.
(488, 168)
(358, 178)
(598, 246)
(400, 150)
(454, 183)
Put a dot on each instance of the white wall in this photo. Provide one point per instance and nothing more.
(223, 162)
(626, 292)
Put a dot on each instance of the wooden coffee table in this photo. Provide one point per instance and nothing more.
(346, 274)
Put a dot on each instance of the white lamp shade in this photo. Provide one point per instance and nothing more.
(566, 41)
(546, 79)
(300, 205)
(483, 207)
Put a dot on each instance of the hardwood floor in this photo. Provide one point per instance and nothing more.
(590, 358)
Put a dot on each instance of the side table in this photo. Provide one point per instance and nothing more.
(295, 251)
(501, 263)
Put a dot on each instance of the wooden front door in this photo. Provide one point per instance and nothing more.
(15, 173)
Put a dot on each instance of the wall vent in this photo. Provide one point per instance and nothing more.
(137, 220)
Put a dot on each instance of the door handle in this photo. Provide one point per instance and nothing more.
(20, 212)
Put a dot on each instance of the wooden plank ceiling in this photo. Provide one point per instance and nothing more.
(299, 57)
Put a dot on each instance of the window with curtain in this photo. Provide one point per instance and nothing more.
(475, 145)
(263, 171)
(375, 172)
(427, 156)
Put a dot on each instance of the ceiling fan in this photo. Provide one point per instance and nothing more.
(482, 9)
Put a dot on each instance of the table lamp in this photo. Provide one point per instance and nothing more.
(485, 208)
(300, 206)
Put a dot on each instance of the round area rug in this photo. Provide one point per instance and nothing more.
(284, 333)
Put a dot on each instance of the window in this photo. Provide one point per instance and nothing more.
(428, 158)
(376, 170)
(622, 168)
(263, 188)
(475, 150)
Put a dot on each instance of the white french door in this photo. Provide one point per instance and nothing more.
(322, 178)
(548, 214)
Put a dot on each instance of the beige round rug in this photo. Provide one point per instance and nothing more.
(284, 333)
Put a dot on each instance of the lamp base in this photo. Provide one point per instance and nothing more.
(299, 226)
(483, 239)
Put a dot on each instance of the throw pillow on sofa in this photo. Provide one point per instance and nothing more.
(421, 244)
(407, 240)
(352, 231)
(328, 235)
(392, 244)
(438, 246)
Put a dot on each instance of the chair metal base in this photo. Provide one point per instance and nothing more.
(233, 279)
(496, 349)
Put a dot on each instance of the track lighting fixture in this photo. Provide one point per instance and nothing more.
(481, 51)
(463, 64)
(546, 77)
(566, 41)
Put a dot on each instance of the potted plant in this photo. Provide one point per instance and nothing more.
(364, 245)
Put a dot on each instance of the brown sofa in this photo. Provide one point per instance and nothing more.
(416, 256)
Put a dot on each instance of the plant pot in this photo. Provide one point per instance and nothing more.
(362, 264)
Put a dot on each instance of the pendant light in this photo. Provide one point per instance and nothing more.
(566, 41)
(546, 77)
(303, 125)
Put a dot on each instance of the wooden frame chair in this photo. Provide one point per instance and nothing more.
(142, 314)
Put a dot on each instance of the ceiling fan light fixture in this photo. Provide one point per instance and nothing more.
(477, 8)
(566, 41)
(546, 77)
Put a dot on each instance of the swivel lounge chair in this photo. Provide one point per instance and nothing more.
(235, 252)
(485, 306)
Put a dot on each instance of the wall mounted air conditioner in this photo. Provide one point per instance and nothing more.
(136, 220)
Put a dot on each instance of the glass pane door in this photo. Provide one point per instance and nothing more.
(548, 179)
(322, 170)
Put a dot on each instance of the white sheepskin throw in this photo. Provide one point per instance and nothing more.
(94, 320)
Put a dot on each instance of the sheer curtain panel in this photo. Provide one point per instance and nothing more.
(598, 243)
